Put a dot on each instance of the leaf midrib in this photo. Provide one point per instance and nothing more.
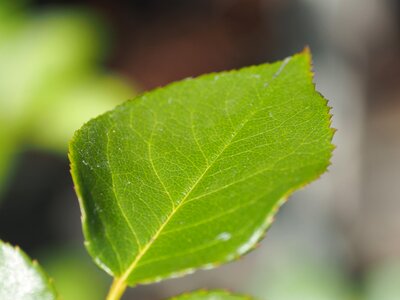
(123, 279)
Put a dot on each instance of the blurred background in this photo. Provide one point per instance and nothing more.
(64, 62)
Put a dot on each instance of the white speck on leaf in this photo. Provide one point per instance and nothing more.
(224, 236)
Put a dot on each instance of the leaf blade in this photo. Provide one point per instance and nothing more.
(21, 278)
(223, 146)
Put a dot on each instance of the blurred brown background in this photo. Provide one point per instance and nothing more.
(63, 62)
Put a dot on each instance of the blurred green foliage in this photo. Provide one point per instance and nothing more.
(51, 80)
(383, 281)
(293, 277)
(76, 277)
(299, 276)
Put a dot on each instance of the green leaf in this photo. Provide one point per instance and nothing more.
(43, 80)
(190, 175)
(76, 102)
(210, 295)
(21, 278)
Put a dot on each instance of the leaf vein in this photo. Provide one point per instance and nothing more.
(115, 193)
(143, 251)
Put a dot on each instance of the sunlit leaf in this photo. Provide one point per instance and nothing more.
(191, 175)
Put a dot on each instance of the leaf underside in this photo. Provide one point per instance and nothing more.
(210, 295)
(21, 278)
(190, 175)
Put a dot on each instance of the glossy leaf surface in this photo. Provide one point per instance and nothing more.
(21, 278)
(191, 175)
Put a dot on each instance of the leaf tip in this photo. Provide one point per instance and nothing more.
(306, 51)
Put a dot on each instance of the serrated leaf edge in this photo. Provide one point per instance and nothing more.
(259, 233)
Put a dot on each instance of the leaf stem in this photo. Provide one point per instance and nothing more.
(117, 288)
